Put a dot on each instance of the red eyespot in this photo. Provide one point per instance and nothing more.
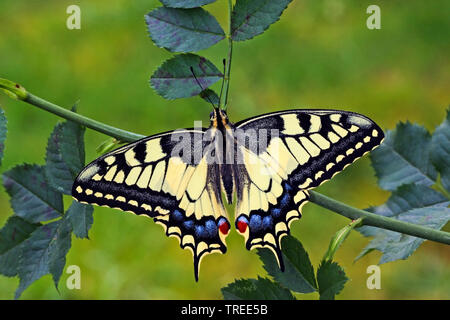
(224, 227)
(242, 226)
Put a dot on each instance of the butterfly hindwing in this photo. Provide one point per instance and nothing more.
(179, 191)
(301, 149)
(264, 212)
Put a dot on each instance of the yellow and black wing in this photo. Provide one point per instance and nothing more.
(293, 151)
(173, 185)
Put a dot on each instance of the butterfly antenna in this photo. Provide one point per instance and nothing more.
(223, 81)
(201, 87)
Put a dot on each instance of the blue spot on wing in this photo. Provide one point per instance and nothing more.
(255, 222)
(267, 222)
(199, 231)
(189, 224)
(211, 228)
(276, 212)
(177, 215)
(285, 200)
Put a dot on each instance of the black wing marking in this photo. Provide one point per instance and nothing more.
(175, 187)
(304, 148)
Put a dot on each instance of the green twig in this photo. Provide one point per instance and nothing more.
(18, 92)
(368, 218)
(119, 134)
(375, 220)
(227, 74)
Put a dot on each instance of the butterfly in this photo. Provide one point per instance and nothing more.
(265, 164)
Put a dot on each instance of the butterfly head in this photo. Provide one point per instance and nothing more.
(219, 118)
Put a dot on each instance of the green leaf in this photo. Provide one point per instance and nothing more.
(32, 198)
(331, 279)
(410, 203)
(252, 17)
(299, 272)
(58, 249)
(256, 289)
(72, 146)
(183, 30)
(3, 130)
(43, 253)
(81, 218)
(210, 96)
(65, 156)
(12, 236)
(185, 3)
(174, 78)
(403, 158)
(440, 151)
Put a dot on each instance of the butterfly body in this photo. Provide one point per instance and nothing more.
(270, 162)
(222, 131)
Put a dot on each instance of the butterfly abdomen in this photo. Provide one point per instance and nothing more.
(227, 177)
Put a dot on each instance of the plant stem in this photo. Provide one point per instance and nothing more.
(230, 54)
(379, 221)
(119, 134)
(345, 210)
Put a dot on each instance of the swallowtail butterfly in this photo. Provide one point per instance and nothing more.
(269, 161)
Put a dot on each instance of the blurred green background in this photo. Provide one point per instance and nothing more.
(320, 54)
